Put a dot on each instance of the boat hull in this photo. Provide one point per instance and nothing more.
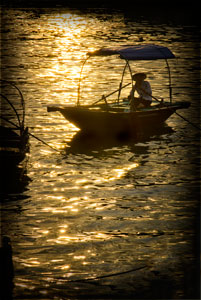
(115, 122)
(105, 122)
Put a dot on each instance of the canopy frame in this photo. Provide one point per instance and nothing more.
(121, 82)
(130, 52)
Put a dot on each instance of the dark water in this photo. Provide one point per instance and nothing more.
(126, 208)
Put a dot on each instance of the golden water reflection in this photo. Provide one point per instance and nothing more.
(89, 215)
(77, 205)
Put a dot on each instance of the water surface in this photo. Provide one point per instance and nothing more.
(101, 207)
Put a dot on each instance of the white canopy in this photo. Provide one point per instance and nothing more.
(138, 52)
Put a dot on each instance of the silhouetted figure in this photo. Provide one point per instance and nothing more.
(143, 90)
(6, 270)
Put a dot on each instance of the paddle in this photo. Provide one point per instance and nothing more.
(104, 97)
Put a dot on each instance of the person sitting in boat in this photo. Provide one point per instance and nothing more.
(144, 91)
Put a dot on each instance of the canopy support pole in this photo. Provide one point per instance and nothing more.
(170, 81)
(130, 72)
(120, 85)
(78, 89)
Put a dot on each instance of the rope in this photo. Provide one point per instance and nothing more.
(108, 275)
(37, 138)
(21, 124)
(194, 125)
(31, 134)
(188, 121)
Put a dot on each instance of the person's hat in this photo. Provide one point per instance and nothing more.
(137, 76)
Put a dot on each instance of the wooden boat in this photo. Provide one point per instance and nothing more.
(117, 118)
(14, 135)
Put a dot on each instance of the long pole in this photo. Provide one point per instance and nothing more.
(112, 93)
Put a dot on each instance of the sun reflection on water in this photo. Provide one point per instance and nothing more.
(90, 214)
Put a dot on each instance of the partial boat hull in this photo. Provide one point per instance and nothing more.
(13, 146)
